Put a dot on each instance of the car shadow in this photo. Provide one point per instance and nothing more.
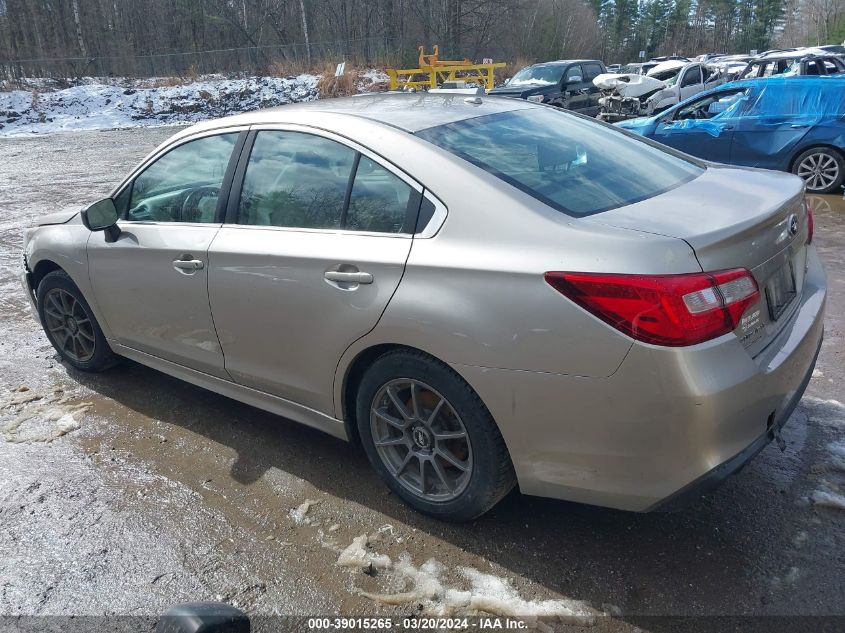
(697, 560)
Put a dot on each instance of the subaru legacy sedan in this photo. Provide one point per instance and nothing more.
(484, 293)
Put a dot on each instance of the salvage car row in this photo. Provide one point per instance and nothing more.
(778, 110)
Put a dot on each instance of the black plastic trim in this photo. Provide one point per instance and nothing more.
(350, 183)
(234, 198)
(226, 185)
(412, 212)
(426, 213)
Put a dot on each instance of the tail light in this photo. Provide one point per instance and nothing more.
(669, 310)
(810, 222)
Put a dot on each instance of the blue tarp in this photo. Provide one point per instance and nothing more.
(805, 101)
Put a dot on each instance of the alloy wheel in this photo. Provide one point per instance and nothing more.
(421, 439)
(69, 325)
(818, 170)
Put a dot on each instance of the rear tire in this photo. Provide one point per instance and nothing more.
(821, 168)
(431, 439)
(70, 325)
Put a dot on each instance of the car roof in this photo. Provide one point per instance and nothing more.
(836, 82)
(410, 112)
(561, 62)
(804, 52)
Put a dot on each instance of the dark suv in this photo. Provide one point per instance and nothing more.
(565, 83)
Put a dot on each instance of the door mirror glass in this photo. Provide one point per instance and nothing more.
(100, 215)
(574, 79)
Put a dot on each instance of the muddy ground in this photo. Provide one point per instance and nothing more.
(127, 492)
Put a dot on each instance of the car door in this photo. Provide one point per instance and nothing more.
(151, 282)
(575, 94)
(317, 235)
(591, 71)
(691, 83)
(772, 126)
(704, 127)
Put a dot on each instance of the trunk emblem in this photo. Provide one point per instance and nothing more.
(793, 224)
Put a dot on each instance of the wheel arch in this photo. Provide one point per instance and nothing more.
(352, 373)
(806, 146)
(41, 269)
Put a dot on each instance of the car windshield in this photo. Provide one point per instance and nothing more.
(545, 75)
(669, 77)
(572, 164)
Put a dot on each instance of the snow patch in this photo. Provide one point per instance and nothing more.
(39, 416)
(487, 594)
(102, 103)
(837, 453)
(824, 412)
(357, 555)
(829, 498)
(299, 513)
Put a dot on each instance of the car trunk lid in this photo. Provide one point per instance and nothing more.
(735, 218)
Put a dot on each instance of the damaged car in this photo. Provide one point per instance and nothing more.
(668, 83)
(789, 124)
(802, 62)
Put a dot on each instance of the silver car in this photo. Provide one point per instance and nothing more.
(485, 293)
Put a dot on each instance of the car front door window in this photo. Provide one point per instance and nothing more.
(181, 186)
(571, 73)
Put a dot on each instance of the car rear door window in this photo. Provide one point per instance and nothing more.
(300, 180)
(294, 179)
(181, 186)
(379, 200)
(591, 71)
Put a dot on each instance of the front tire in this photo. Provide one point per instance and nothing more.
(70, 325)
(821, 168)
(431, 439)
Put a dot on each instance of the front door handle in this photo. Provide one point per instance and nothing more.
(188, 264)
(798, 126)
(348, 277)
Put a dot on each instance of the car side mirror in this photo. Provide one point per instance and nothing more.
(203, 617)
(575, 79)
(102, 216)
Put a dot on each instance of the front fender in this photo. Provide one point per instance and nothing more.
(66, 246)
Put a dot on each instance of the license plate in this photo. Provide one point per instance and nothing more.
(780, 290)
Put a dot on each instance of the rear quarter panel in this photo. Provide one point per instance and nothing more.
(475, 295)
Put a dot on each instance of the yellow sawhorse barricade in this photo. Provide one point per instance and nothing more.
(433, 71)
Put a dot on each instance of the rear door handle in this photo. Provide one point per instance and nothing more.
(188, 264)
(348, 277)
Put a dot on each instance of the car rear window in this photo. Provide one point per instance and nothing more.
(574, 165)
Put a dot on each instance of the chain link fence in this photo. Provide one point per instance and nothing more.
(251, 60)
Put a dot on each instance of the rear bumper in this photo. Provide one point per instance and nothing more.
(668, 422)
(712, 479)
